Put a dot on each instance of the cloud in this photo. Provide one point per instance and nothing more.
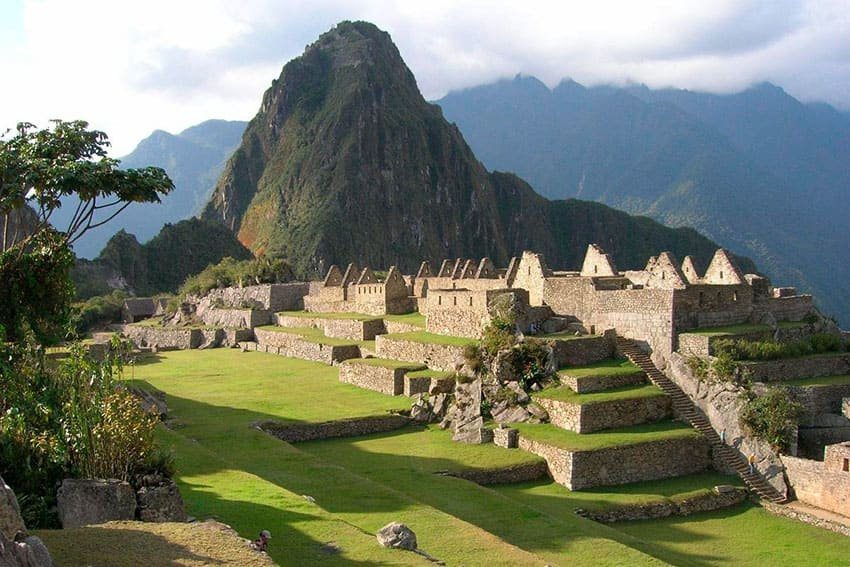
(131, 66)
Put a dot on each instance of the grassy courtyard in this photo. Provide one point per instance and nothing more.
(324, 500)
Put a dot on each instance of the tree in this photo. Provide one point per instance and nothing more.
(40, 171)
(47, 168)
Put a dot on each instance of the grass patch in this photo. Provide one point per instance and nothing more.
(820, 381)
(611, 367)
(431, 338)
(428, 373)
(386, 363)
(152, 545)
(336, 316)
(571, 441)
(415, 318)
(743, 329)
(566, 394)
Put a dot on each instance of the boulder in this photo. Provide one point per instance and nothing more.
(421, 410)
(161, 503)
(30, 552)
(504, 412)
(82, 502)
(397, 536)
(11, 521)
(537, 411)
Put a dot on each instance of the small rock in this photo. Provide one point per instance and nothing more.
(521, 395)
(11, 521)
(724, 488)
(398, 536)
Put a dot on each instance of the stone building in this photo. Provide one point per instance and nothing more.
(825, 484)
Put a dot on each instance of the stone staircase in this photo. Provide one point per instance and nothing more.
(684, 408)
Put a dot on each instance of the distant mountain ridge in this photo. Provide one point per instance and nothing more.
(346, 162)
(193, 159)
(760, 172)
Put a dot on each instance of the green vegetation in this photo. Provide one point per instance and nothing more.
(415, 318)
(566, 394)
(98, 311)
(430, 338)
(229, 272)
(772, 416)
(64, 417)
(571, 441)
(387, 363)
(437, 374)
(314, 335)
(611, 367)
(742, 349)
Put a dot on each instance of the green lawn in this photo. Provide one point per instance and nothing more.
(820, 381)
(611, 367)
(341, 491)
(387, 363)
(431, 338)
(729, 330)
(314, 335)
(566, 394)
(572, 441)
(338, 316)
(428, 373)
(415, 318)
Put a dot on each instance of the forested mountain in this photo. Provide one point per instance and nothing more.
(345, 161)
(193, 159)
(759, 172)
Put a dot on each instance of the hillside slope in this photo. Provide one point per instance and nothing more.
(345, 161)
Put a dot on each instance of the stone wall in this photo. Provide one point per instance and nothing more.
(705, 502)
(793, 308)
(354, 330)
(794, 368)
(819, 400)
(722, 403)
(460, 313)
(815, 484)
(163, 337)
(633, 463)
(236, 318)
(622, 465)
(587, 418)
(706, 305)
(271, 297)
(353, 427)
(381, 379)
(587, 384)
(579, 351)
(434, 356)
(294, 346)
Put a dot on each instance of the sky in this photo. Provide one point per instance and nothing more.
(129, 67)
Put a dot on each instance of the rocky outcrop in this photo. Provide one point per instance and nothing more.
(722, 403)
(82, 502)
(11, 522)
(30, 552)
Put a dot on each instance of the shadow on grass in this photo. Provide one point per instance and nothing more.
(367, 485)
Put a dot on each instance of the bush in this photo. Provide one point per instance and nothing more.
(772, 417)
(742, 349)
(498, 335)
(98, 311)
(699, 366)
(724, 367)
(473, 357)
(230, 272)
(67, 419)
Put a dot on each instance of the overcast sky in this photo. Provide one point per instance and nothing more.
(129, 67)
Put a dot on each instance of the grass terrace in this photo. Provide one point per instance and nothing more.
(820, 381)
(428, 373)
(431, 338)
(743, 329)
(571, 441)
(564, 336)
(566, 394)
(344, 316)
(387, 363)
(611, 367)
(245, 478)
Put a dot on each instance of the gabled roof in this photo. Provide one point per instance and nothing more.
(334, 277)
(723, 270)
(597, 262)
(140, 306)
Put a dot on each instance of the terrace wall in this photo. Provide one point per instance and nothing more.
(434, 356)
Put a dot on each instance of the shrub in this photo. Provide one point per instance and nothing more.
(473, 357)
(772, 417)
(741, 349)
(699, 366)
(98, 311)
(498, 335)
(724, 367)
